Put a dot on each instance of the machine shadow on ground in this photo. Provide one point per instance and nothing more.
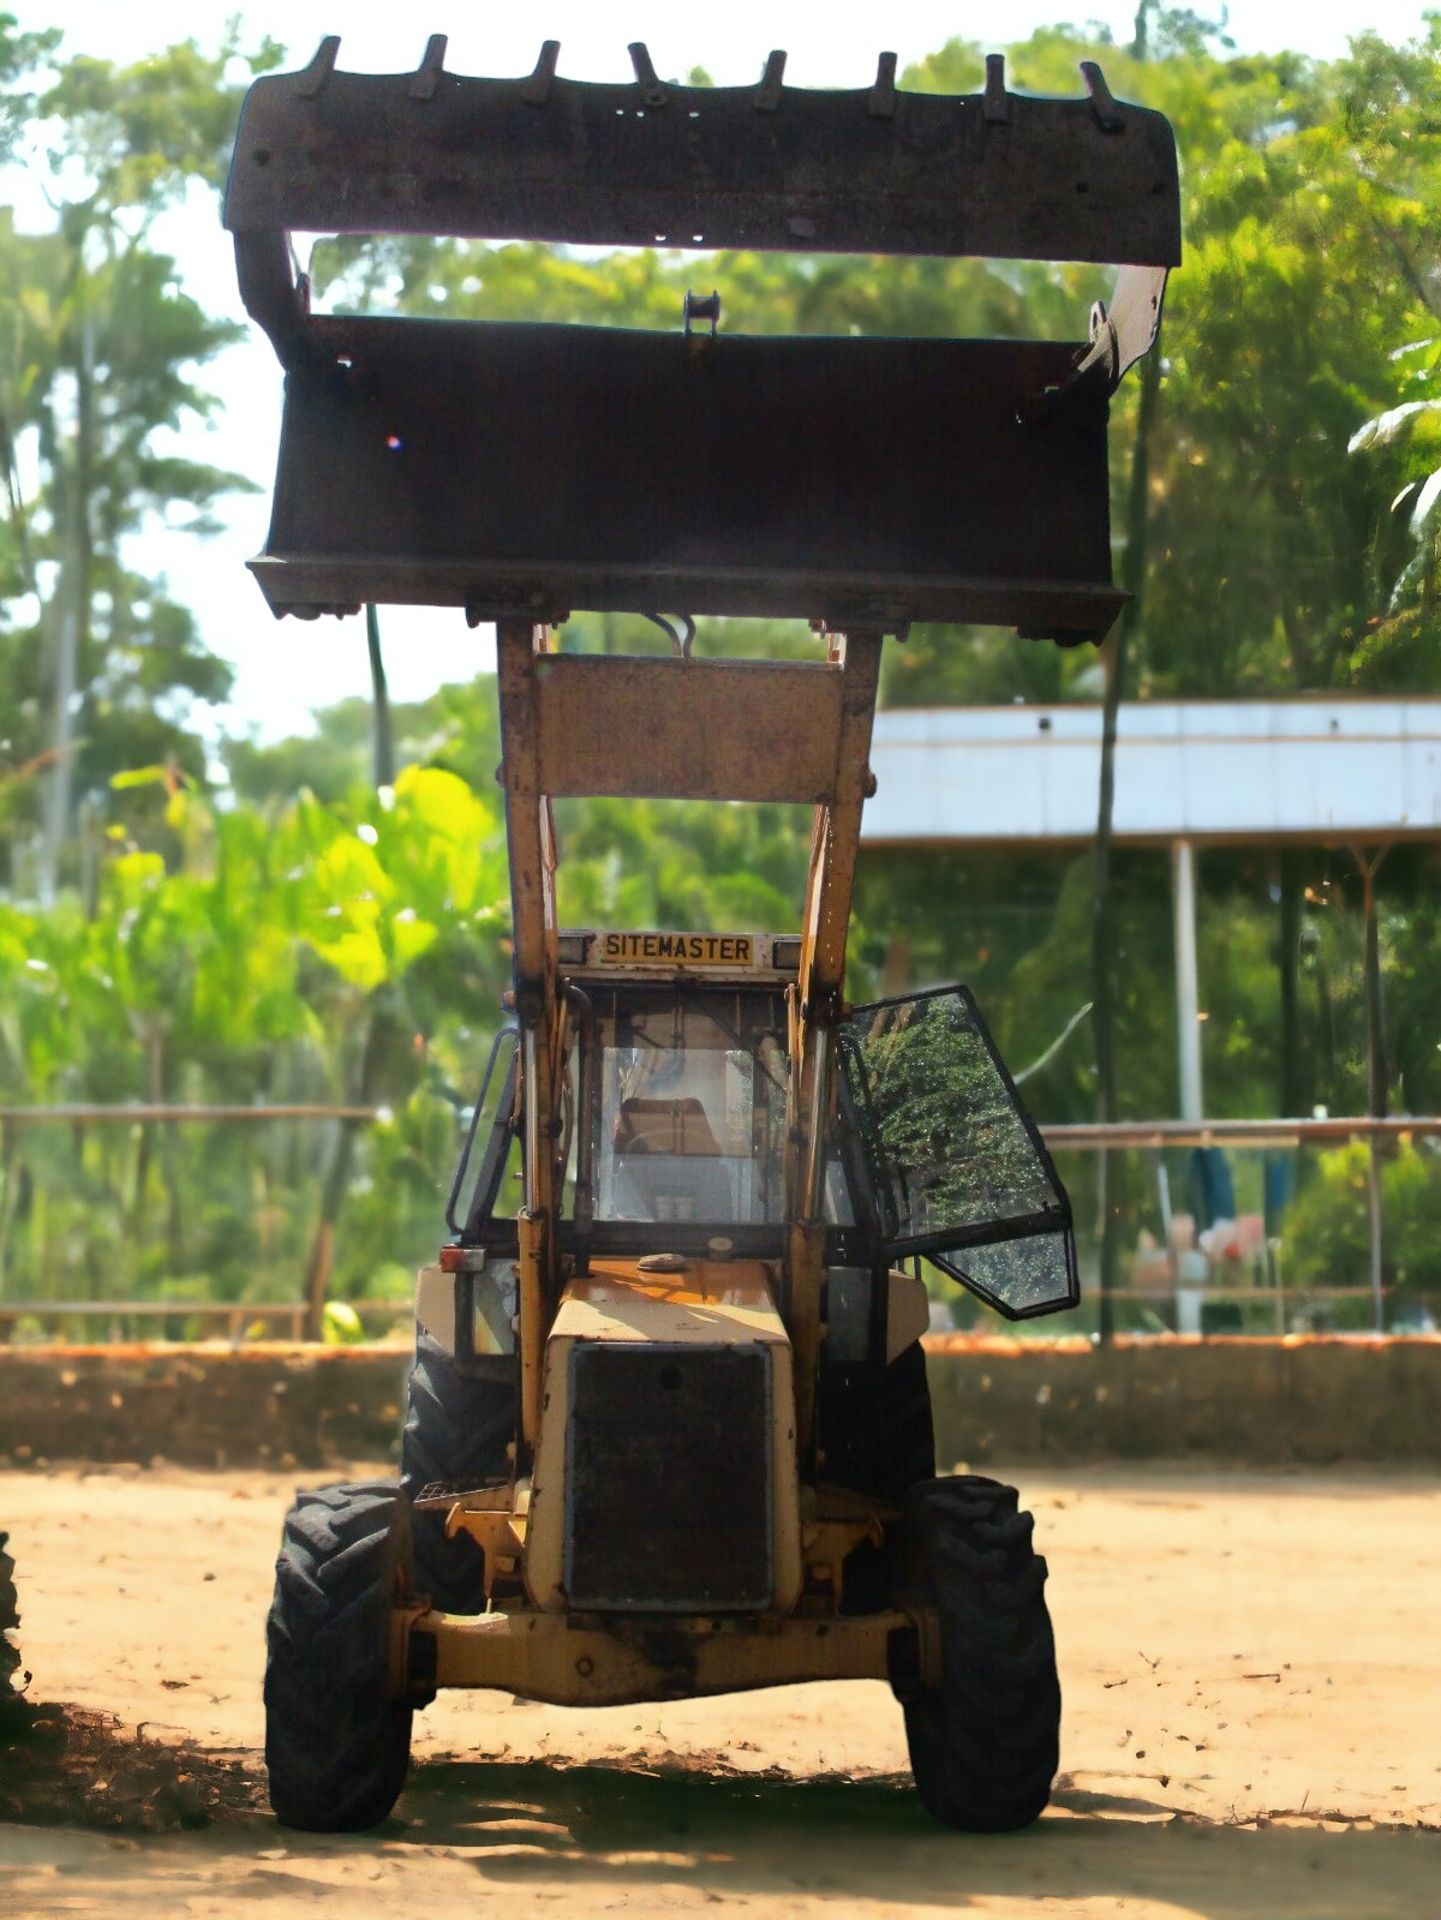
(629, 1831)
(870, 1839)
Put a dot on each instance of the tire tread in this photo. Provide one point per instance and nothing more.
(336, 1745)
(985, 1744)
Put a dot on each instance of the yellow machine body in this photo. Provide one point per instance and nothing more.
(705, 1343)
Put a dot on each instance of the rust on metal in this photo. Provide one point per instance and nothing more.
(874, 169)
(534, 1244)
(679, 729)
(828, 909)
(520, 646)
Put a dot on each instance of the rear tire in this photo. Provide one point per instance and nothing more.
(901, 1452)
(985, 1743)
(908, 1445)
(458, 1429)
(337, 1745)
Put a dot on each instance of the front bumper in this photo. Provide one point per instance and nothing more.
(582, 1661)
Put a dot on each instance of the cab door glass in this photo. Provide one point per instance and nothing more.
(1020, 1278)
(958, 1168)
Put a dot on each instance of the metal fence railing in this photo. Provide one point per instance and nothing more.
(138, 1113)
(123, 1322)
(116, 1322)
(1397, 1285)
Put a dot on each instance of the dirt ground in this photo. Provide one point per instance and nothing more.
(1252, 1672)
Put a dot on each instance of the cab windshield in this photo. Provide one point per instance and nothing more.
(689, 1108)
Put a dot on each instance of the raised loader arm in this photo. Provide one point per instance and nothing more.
(657, 728)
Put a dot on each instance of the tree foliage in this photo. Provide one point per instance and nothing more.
(99, 352)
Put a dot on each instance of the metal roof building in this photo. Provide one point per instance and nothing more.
(1321, 771)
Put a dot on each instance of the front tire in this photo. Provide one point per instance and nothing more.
(337, 1744)
(985, 1742)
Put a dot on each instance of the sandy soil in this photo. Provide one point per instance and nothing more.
(1252, 1670)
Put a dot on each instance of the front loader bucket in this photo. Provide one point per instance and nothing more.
(526, 471)
(768, 167)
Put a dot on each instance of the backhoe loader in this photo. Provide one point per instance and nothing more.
(668, 1431)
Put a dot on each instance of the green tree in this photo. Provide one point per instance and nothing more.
(347, 953)
(98, 351)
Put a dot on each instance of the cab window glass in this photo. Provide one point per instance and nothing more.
(691, 1107)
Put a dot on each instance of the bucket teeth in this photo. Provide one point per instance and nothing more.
(322, 65)
(1103, 105)
(535, 91)
(426, 77)
(646, 77)
(882, 103)
(768, 93)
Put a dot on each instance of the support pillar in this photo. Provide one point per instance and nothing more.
(1370, 866)
(1294, 1078)
(1188, 1010)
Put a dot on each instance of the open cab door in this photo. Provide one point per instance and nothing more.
(957, 1166)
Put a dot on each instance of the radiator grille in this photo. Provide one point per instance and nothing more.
(668, 1481)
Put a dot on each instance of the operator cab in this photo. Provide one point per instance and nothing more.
(678, 1082)
(680, 1071)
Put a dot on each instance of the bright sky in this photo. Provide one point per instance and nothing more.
(285, 669)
